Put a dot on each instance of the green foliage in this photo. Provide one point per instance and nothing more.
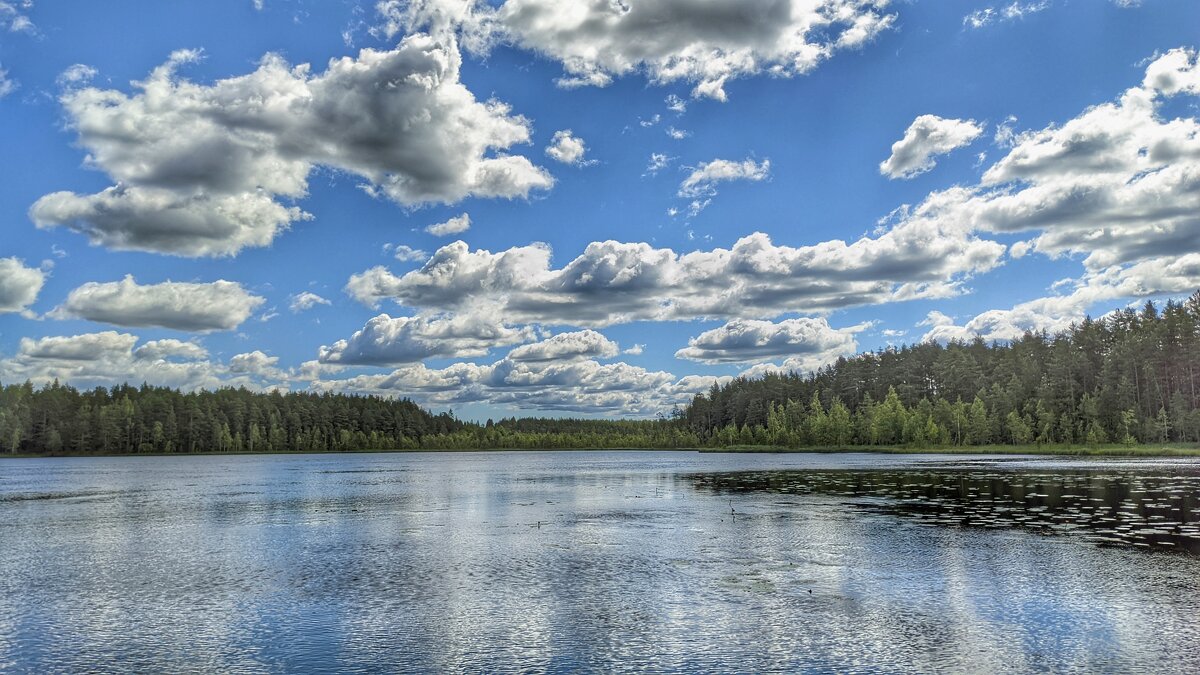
(125, 420)
(1131, 377)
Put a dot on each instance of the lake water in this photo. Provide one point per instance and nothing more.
(599, 561)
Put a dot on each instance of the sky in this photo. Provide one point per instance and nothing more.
(591, 208)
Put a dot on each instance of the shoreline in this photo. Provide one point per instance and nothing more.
(1136, 451)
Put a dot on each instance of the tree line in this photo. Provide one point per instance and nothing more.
(1128, 377)
(58, 418)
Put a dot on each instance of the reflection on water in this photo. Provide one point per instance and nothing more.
(597, 561)
(1123, 508)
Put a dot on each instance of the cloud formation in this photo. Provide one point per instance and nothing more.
(405, 253)
(14, 17)
(567, 346)
(703, 42)
(385, 340)
(199, 307)
(108, 358)
(927, 137)
(567, 148)
(19, 285)
(703, 180)
(456, 225)
(306, 300)
(986, 16)
(170, 348)
(1157, 276)
(803, 340)
(7, 85)
(567, 380)
(1116, 184)
(613, 282)
(201, 169)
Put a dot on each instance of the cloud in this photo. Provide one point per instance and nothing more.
(14, 17)
(572, 383)
(1012, 12)
(613, 282)
(202, 307)
(1005, 135)
(1020, 249)
(164, 221)
(390, 341)
(405, 253)
(807, 340)
(567, 148)
(108, 358)
(255, 363)
(703, 180)
(456, 225)
(1116, 184)
(927, 137)
(676, 104)
(658, 162)
(935, 318)
(678, 134)
(702, 42)
(207, 170)
(86, 347)
(7, 85)
(1157, 276)
(566, 346)
(19, 285)
(306, 300)
(155, 350)
(75, 75)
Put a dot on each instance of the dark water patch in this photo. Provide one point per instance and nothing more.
(1110, 508)
(72, 495)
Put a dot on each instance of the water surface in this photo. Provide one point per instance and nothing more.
(570, 561)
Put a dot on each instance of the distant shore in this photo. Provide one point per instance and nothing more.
(1112, 450)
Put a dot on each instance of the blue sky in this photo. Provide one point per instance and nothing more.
(1011, 166)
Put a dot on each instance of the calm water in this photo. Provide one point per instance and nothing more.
(581, 561)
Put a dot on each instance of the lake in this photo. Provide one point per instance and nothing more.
(599, 561)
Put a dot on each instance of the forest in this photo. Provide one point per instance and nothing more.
(1127, 378)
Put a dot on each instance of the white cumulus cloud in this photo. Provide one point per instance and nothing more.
(703, 42)
(108, 358)
(573, 383)
(19, 285)
(566, 346)
(702, 181)
(927, 137)
(456, 225)
(614, 282)
(385, 340)
(202, 307)
(306, 300)
(567, 148)
(209, 169)
(808, 340)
